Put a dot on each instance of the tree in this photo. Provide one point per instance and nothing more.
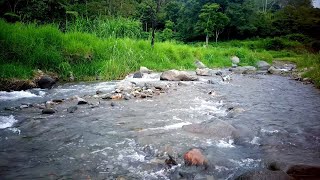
(211, 21)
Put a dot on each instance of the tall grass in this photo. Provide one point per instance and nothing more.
(88, 53)
(106, 27)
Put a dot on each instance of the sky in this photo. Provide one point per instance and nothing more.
(316, 3)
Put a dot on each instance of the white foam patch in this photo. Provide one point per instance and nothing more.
(5, 96)
(15, 130)
(204, 106)
(169, 127)
(226, 144)
(269, 131)
(7, 121)
(248, 162)
(145, 77)
(255, 141)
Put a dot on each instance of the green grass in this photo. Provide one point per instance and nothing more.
(87, 53)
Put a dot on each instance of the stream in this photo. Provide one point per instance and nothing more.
(276, 119)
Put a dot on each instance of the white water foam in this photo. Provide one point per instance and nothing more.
(248, 162)
(255, 141)
(208, 107)
(14, 95)
(269, 131)
(226, 144)
(169, 127)
(7, 121)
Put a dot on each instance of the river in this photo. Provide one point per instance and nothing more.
(276, 119)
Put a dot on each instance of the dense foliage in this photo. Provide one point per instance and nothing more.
(178, 19)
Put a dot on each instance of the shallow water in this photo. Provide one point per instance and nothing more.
(279, 120)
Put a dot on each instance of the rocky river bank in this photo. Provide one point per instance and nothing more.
(208, 124)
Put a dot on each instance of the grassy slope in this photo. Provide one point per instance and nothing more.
(28, 47)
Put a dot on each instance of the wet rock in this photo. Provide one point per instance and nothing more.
(82, 101)
(125, 86)
(216, 129)
(9, 108)
(273, 70)
(204, 72)
(57, 100)
(263, 65)
(182, 84)
(234, 65)
(219, 73)
(235, 60)
(244, 70)
(99, 92)
(46, 82)
(170, 162)
(127, 96)
(48, 111)
(72, 109)
(106, 96)
(175, 75)
(49, 104)
(112, 104)
(143, 95)
(194, 157)
(23, 106)
(145, 70)
(199, 64)
(137, 75)
(302, 171)
(117, 96)
(210, 81)
(264, 175)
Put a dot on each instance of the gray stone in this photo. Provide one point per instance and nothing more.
(145, 70)
(204, 72)
(72, 109)
(235, 60)
(137, 75)
(244, 70)
(264, 174)
(112, 104)
(175, 75)
(46, 82)
(82, 101)
(273, 70)
(106, 96)
(48, 111)
(199, 64)
(262, 65)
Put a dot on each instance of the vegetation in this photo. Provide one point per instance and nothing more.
(111, 38)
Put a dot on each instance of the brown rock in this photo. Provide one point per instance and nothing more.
(304, 172)
(195, 157)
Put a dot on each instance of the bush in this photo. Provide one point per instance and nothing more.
(275, 44)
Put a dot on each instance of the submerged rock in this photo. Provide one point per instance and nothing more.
(48, 111)
(46, 82)
(273, 70)
(175, 75)
(264, 174)
(72, 109)
(216, 129)
(194, 157)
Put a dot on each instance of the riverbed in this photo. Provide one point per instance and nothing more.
(276, 119)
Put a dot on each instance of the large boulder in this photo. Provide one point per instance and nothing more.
(46, 82)
(204, 72)
(262, 65)
(175, 75)
(244, 70)
(304, 172)
(264, 174)
(199, 64)
(216, 129)
(235, 60)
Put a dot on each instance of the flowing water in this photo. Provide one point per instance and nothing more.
(276, 120)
